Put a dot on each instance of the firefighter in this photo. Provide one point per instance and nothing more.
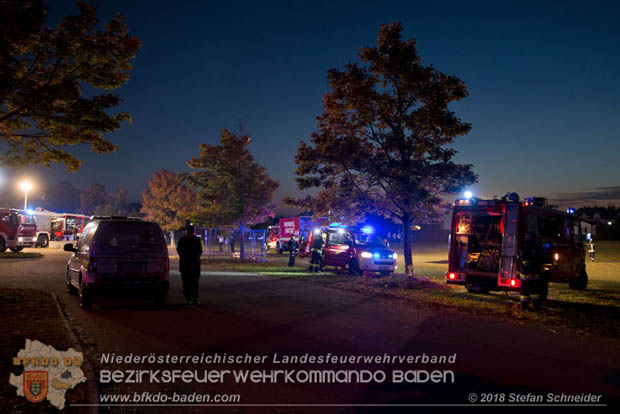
(292, 249)
(532, 260)
(189, 249)
(316, 260)
(591, 248)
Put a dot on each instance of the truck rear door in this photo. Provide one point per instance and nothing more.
(507, 268)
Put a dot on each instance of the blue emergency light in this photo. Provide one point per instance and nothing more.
(367, 230)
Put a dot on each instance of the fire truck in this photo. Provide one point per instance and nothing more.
(17, 230)
(67, 226)
(301, 228)
(487, 236)
(272, 240)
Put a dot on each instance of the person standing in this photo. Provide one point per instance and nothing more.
(220, 242)
(316, 261)
(591, 248)
(189, 249)
(292, 249)
(532, 260)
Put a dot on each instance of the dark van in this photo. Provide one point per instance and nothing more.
(118, 255)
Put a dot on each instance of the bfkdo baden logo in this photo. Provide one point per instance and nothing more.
(47, 373)
(35, 385)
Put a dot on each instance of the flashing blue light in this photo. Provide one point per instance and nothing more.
(367, 230)
(570, 210)
(468, 194)
(30, 212)
(376, 255)
(317, 231)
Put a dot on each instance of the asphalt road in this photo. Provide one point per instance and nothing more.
(265, 316)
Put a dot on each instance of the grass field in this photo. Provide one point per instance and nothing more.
(595, 310)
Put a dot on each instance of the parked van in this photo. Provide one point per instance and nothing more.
(118, 255)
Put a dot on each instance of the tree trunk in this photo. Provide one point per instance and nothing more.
(407, 247)
(241, 241)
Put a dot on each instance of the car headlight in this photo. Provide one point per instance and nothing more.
(366, 255)
(20, 239)
(394, 256)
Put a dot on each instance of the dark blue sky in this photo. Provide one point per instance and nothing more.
(543, 79)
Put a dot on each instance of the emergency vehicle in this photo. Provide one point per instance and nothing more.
(66, 225)
(272, 240)
(17, 230)
(487, 236)
(356, 249)
(300, 227)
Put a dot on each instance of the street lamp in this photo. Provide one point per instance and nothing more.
(26, 186)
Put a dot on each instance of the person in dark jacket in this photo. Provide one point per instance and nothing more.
(190, 250)
(532, 260)
(316, 260)
(292, 249)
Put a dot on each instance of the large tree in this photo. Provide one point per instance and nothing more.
(383, 141)
(95, 200)
(44, 74)
(167, 200)
(231, 187)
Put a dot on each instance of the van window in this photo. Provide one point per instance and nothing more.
(339, 239)
(87, 237)
(125, 236)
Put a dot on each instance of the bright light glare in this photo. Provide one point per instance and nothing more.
(26, 185)
(367, 229)
(468, 194)
(366, 255)
(394, 256)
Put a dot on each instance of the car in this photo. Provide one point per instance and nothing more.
(358, 250)
(119, 255)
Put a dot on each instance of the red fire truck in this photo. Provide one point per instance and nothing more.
(68, 226)
(487, 237)
(17, 230)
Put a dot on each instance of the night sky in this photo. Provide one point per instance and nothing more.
(543, 80)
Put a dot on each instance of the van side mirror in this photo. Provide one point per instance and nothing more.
(69, 248)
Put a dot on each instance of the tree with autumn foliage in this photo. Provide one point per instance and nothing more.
(168, 201)
(43, 74)
(231, 187)
(383, 141)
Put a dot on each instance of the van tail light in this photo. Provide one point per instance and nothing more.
(451, 276)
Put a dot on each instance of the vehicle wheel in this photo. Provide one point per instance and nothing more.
(17, 248)
(161, 293)
(354, 268)
(43, 241)
(86, 297)
(581, 282)
(2, 245)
